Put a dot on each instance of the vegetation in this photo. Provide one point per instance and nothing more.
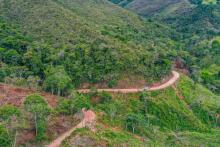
(73, 104)
(199, 51)
(87, 50)
(9, 125)
(39, 109)
(5, 140)
(154, 115)
(60, 45)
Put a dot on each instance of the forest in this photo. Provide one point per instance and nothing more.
(51, 48)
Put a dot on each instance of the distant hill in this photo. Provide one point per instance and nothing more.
(159, 7)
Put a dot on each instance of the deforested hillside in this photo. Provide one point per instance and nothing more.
(86, 41)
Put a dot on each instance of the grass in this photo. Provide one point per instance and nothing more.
(105, 136)
(176, 122)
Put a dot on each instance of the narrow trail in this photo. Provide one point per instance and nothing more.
(88, 120)
(170, 82)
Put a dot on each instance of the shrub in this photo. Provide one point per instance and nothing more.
(73, 105)
(105, 97)
(5, 140)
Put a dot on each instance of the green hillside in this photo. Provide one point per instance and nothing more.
(53, 47)
(92, 41)
(160, 118)
(197, 22)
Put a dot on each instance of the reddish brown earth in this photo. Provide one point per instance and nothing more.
(16, 95)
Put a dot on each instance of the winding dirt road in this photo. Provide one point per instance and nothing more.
(170, 82)
(89, 116)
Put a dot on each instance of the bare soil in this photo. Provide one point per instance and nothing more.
(16, 95)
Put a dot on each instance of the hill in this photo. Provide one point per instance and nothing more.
(197, 23)
(88, 41)
(186, 114)
(159, 7)
(59, 45)
(177, 116)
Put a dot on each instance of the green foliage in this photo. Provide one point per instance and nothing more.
(39, 109)
(57, 81)
(112, 83)
(204, 104)
(135, 123)
(81, 102)
(110, 137)
(66, 106)
(88, 50)
(105, 97)
(36, 104)
(5, 140)
(162, 114)
(8, 111)
(72, 105)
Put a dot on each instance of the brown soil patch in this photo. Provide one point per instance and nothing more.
(25, 136)
(16, 95)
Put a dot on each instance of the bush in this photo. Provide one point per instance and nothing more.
(82, 101)
(5, 140)
(112, 83)
(105, 97)
(66, 107)
(8, 111)
(73, 105)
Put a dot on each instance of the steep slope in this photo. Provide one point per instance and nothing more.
(157, 118)
(197, 22)
(89, 40)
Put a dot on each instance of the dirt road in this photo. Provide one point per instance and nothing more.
(89, 118)
(170, 82)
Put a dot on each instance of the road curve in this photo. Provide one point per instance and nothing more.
(89, 117)
(170, 82)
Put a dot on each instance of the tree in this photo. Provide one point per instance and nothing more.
(12, 57)
(33, 81)
(9, 115)
(135, 122)
(111, 110)
(81, 101)
(38, 107)
(57, 80)
(73, 104)
(66, 107)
